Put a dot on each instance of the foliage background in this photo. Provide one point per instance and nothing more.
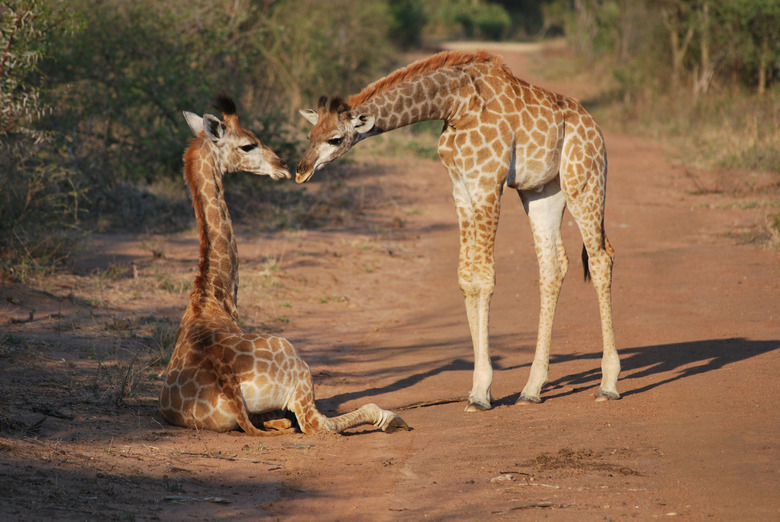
(91, 91)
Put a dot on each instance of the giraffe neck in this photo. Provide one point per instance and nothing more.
(217, 279)
(432, 95)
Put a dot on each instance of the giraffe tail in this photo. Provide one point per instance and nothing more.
(585, 267)
(604, 244)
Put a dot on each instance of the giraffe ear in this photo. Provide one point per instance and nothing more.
(194, 121)
(310, 115)
(213, 128)
(363, 122)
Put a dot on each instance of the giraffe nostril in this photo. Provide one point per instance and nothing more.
(301, 168)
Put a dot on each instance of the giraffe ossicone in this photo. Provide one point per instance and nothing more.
(499, 131)
(219, 375)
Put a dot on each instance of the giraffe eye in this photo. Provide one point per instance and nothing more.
(336, 141)
(248, 148)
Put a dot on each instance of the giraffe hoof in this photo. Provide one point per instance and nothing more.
(473, 406)
(528, 399)
(395, 423)
(603, 396)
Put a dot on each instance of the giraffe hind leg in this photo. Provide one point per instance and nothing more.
(610, 362)
(600, 265)
(273, 427)
(231, 392)
(599, 255)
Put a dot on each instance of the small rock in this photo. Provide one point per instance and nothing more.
(503, 478)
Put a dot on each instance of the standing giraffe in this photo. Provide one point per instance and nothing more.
(218, 375)
(498, 130)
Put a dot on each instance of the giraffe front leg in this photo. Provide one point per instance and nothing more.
(476, 278)
(392, 422)
(477, 202)
(477, 300)
(545, 211)
(311, 420)
(387, 421)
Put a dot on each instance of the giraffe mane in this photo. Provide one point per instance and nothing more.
(191, 157)
(416, 69)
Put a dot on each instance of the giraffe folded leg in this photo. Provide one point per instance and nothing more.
(234, 399)
(387, 421)
(311, 420)
(272, 420)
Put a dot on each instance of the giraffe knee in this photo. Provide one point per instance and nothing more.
(610, 251)
(476, 284)
(563, 263)
(600, 266)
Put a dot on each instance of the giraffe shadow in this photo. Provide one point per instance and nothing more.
(457, 364)
(644, 368)
(660, 364)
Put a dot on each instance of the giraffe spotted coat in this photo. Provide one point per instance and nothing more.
(219, 375)
(499, 131)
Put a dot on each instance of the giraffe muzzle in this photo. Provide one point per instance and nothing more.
(281, 171)
(303, 174)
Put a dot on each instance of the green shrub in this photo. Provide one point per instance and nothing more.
(91, 94)
(408, 20)
(38, 197)
(492, 21)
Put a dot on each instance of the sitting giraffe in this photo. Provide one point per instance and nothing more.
(218, 375)
(499, 131)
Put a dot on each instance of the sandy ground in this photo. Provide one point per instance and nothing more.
(374, 308)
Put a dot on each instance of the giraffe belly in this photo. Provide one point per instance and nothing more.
(532, 174)
(264, 396)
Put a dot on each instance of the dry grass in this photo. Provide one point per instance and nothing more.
(732, 129)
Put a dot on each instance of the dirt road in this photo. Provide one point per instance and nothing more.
(375, 310)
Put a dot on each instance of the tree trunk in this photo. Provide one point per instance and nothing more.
(762, 64)
(673, 25)
(586, 28)
(706, 70)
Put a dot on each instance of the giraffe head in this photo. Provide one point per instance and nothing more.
(234, 148)
(336, 129)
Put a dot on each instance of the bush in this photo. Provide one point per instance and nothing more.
(492, 21)
(118, 74)
(37, 193)
(408, 19)
(476, 19)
